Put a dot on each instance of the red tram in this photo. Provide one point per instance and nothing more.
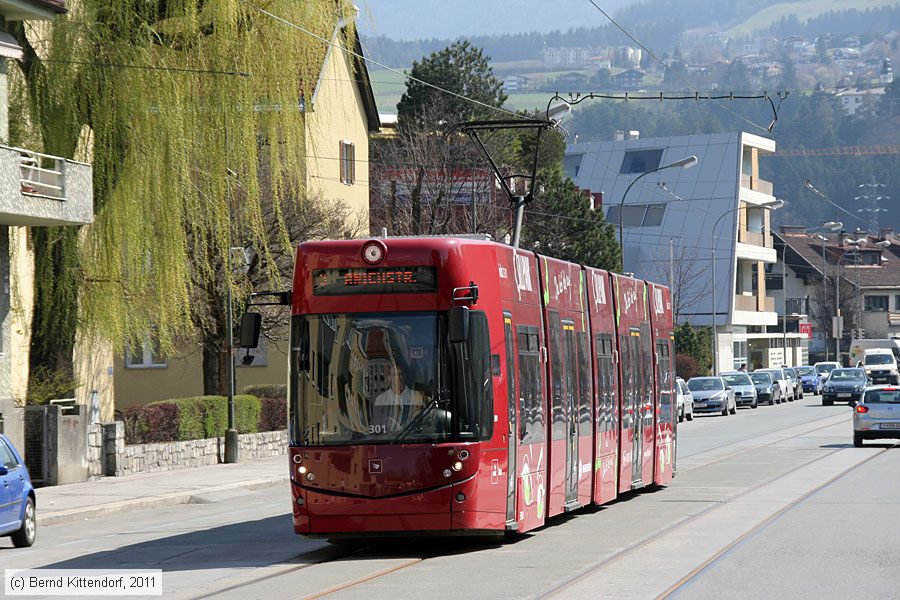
(458, 385)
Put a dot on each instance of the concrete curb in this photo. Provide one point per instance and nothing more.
(184, 497)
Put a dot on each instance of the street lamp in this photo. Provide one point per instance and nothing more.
(685, 163)
(770, 205)
(839, 329)
(831, 226)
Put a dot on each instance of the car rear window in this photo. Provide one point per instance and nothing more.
(882, 396)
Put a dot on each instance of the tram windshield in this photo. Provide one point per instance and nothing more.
(381, 378)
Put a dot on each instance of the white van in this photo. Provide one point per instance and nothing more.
(881, 366)
(858, 348)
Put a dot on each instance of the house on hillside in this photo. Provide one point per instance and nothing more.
(339, 119)
(632, 79)
(36, 190)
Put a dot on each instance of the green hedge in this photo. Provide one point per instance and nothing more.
(199, 417)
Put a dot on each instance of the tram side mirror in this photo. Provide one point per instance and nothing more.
(251, 323)
(458, 324)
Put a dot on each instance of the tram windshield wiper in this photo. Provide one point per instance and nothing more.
(417, 420)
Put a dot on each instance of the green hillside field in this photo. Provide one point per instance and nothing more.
(804, 10)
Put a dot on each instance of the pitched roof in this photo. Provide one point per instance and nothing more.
(804, 256)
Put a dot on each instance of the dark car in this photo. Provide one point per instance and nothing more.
(17, 500)
(844, 385)
(767, 390)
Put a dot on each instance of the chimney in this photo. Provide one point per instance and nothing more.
(620, 135)
(885, 233)
(634, 134)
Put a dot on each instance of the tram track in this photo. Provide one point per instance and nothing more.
(760, 527)
(833, 420)
(341, 552)
(560, 588)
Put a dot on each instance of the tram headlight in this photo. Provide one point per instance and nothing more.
(373, 252)
(301, 469)
(310, 477)
(457, 466)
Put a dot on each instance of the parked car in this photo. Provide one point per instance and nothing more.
(685, 401)
(844, 385)
(712, 394)
(795, 379)
(767, 389)
(17, 499)
(812, 381)
(878, 415)
(825, 368)
(744, 390)
(785, 383)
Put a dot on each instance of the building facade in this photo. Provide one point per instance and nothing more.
(831, 271)
(703, 230)
(36, 190)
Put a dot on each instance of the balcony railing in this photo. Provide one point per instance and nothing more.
(42, 174)
(746, 303)
(755, 183)
(755, 238)
(40, 189)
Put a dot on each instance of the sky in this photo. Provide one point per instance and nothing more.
(418, 19)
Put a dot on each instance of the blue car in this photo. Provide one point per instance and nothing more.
(17, 517)
(811, 378)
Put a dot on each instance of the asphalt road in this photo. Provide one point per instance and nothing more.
(773, 502)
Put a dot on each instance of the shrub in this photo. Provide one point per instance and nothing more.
(269, 390)
(273, 415)
(201, 417)
(686, 366)
(157, 422)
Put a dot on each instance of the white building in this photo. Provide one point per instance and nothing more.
(723, 191)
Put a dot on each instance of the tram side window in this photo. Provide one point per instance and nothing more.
(531, 410)
(666, 382)
(585, 390)
(628, 365)
(510, 370)
(477, 414)
(605, 382)
(557, 388)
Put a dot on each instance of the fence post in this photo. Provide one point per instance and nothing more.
(113, 447)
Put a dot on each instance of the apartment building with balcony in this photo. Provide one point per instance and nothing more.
(36, 190)
(678, 222)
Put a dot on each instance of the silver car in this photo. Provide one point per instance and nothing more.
(785, 383)
(685, 401)
(878, 415)
(744, 390)
(712, 394)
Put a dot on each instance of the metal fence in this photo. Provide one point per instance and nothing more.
(37, 444)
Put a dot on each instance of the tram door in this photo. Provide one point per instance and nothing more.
(512, 462)
(572, 416)
(637, 408)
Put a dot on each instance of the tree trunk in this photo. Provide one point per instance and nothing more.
(215, 367)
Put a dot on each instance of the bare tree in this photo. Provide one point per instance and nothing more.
(687, 274)
(425, 183)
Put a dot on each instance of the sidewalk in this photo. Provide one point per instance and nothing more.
(77, 501)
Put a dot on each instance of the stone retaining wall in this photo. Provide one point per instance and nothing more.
(119, 459)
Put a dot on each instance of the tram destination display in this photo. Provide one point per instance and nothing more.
(382, 280)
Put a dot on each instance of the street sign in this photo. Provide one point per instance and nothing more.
(806, 328)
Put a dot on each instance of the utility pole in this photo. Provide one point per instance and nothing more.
(873, 198)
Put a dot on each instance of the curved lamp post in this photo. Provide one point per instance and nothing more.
(854, 246)
(685, 163)
(770, 205)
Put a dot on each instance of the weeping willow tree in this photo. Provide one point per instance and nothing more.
(178, 104)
